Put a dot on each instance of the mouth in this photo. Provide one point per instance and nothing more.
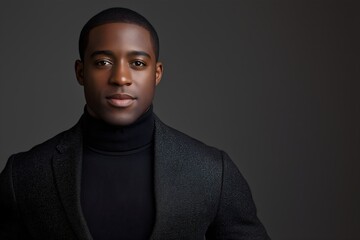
(121, 100)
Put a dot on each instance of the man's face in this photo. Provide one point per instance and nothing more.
(119, 72)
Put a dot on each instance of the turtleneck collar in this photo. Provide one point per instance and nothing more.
(102, 136)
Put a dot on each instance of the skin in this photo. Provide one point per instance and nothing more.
(119, 72)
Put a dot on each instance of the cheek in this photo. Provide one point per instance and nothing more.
(148, 92)
(95, 81)
(92, 73)
(147, 79)
(93, 91)
(148, 88)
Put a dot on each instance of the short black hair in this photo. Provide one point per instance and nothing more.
(113, 15)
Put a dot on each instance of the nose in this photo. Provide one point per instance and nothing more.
(120, 75)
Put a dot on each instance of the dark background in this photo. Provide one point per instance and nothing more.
(273, 83)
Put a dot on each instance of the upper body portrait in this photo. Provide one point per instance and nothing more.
(120, 172)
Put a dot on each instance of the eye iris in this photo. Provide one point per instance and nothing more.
(102, 63)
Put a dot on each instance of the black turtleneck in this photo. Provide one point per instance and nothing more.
(117, 196)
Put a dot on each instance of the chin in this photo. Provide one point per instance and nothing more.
(120, 119)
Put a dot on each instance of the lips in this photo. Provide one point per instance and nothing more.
(120, 99)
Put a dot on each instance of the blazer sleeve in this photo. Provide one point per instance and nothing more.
(236, 217)
(10, 227)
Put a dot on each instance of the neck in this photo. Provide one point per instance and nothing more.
(102, 136)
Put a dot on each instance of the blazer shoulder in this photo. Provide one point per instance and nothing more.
(174, 137)
(47, 147)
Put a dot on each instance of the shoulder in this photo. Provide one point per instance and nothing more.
(46, 148)
(179, 141)
(199, 157)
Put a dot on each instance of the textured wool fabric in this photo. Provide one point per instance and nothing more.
(199, 192)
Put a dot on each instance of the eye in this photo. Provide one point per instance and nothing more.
(138, 63)
(103, 63)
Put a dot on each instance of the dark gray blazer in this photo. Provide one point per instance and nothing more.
(199, 192)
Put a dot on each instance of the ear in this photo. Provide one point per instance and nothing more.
(158, 73)
(79, 71)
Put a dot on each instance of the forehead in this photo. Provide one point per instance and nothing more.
(120, 37)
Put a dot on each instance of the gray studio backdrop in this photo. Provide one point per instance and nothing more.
(273, 83)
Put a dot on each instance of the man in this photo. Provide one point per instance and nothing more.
(120, 173)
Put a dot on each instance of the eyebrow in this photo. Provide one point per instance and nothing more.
(111, 54)
(103, 52)
(139, 53)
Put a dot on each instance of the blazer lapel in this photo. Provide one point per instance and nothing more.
(67, 172)
(166, 164)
